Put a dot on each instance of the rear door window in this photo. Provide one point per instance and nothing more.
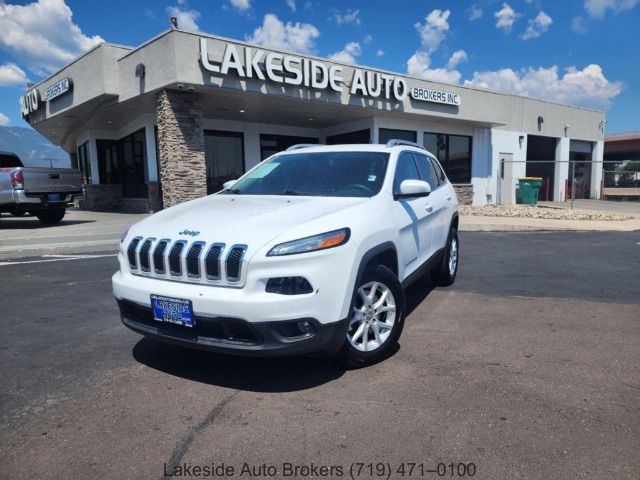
(427, 170)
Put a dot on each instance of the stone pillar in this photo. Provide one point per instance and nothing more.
(464, 192)
(183, 171)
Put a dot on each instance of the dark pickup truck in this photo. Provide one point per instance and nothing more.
(43, 192)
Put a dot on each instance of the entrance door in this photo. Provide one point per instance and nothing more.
(507, 186)
(133, 148)
(224, 157)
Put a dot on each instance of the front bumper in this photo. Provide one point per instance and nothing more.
(237, 336)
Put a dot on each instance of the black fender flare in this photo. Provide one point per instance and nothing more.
(373, 252)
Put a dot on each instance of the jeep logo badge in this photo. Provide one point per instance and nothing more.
(189, 232)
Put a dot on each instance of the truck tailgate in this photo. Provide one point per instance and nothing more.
(51, 180)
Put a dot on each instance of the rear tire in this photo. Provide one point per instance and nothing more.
(376, 318)
(445, 274)
(51, 216)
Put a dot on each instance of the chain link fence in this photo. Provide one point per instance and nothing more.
(569, 180)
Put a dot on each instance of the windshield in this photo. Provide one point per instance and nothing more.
(323, 174)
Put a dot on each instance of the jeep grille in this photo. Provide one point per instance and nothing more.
(179, 260)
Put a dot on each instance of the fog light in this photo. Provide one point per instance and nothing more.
(289, 286)
(306, 326)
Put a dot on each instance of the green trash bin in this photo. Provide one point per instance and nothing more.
(529, 188)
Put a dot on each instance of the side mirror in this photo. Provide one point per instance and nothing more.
(229, 184)
(413, 188)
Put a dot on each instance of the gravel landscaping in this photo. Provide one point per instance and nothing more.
(532, 211)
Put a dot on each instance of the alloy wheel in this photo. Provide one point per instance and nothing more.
(373, 317)
(453, 256)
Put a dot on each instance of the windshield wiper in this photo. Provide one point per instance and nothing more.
(235, 191)
(291, 192)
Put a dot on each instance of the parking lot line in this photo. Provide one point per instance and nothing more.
(58, 258)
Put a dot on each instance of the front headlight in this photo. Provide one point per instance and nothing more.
(124, 235)
(311, 244)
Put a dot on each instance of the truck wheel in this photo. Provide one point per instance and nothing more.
(377, 318)
(18, 213)
(445, 274)
(51, 216)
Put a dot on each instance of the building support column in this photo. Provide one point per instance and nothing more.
(597, 156)
(561, 174)
(183, 172)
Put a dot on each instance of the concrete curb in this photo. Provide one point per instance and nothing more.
(59, 249)
(514, 224)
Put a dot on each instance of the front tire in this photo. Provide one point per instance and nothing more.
(445, 274)
(51, 216)
(377, 318)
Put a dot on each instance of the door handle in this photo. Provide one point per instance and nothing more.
(428, 207)
(448, 197)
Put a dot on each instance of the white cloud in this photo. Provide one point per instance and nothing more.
(506, 17)
(537, 26)
(348, 54)
(350, 16)
(187, 19)
(4, 120)
(598, 8)
(42, 34)
(578, 25)
(459, 56)
(434, 29)
(11, 74)
(587, 87)
(292, 5)
(380, 53)
(475, 13)
(241, 5)
(299, 37)
(432, 33)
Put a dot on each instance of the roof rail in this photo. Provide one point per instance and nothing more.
(394, 142)
(302, 145)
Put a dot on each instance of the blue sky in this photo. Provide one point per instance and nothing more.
(582, 52)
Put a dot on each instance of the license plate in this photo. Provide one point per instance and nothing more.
(172, 310)
(54, 197)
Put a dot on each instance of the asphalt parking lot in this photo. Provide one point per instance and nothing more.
(528, 367)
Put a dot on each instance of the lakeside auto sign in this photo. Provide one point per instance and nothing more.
(301, 71)
(30, 101)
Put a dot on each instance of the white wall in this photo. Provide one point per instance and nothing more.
(561, 173)
(503, 141)
(597, 156)
(483, 174)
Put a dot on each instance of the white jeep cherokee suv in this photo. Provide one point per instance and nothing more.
(309, 251)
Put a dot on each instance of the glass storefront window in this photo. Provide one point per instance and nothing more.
(270, 144)
(454, 154)
(224, 157)
(122, 162)
(386, 134)
(361, 136)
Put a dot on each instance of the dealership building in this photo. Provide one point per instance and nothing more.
(176, 117)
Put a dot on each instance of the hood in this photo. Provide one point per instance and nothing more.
(253, 220)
